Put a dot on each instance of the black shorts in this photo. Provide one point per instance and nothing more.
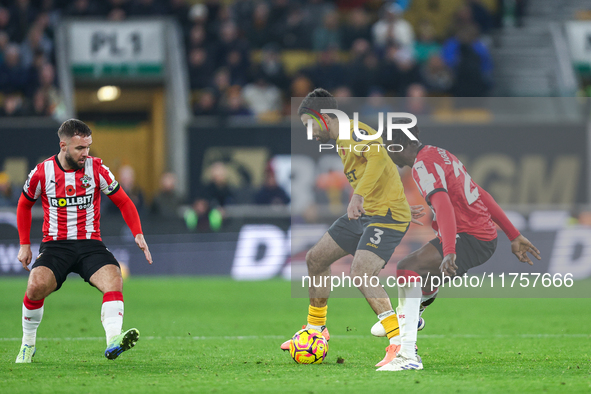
(367, 233)
(470, 251)
(83, 257)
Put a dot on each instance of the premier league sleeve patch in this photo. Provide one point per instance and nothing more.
(111, 188)
(361, 131)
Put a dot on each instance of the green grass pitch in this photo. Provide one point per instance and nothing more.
(217, 335)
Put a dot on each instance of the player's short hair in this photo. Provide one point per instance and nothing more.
(72, 127)
(317, 100)
(399, 137)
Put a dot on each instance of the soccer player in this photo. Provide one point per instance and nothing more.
(377, 217)
(69, 185)
(464, 220)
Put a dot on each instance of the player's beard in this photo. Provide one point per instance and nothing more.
(73, 163)
(323, 137)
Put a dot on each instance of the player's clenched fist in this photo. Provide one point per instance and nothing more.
(355, 208)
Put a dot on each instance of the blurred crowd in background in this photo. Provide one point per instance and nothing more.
(204, 214)
(207, 211)
(27, 63)
(248, 57)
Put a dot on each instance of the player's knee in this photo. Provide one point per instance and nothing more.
(364, 275)
(37, 290)
(357, 273)
(112, 284)
(311, 261)
(116, 285)
(412, 265)
(404, 264)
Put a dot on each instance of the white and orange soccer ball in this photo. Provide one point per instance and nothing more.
(308, 346)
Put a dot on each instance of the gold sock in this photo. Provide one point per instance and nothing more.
(317, 316)
(391, 326)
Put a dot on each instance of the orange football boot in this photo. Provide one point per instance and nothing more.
(391, 352)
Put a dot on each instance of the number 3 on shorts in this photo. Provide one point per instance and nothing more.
(378, 237)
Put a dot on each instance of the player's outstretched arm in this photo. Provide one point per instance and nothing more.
(23, 221)
(498, 215)
(520, 246)
(132, 219)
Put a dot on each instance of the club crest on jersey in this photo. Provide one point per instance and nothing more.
(361, 131)
(85, 181)
(82, 202)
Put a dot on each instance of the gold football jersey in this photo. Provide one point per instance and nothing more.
(373, 175)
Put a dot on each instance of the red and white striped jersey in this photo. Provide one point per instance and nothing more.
(71, 199)
(436, 169)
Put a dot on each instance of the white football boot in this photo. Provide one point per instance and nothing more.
(25, 355)
(403, 363)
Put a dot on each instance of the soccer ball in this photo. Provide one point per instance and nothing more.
(308, 346)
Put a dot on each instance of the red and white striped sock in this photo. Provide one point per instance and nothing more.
(112, 313)
(32, 315)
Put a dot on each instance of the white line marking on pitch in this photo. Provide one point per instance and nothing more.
(243, 337)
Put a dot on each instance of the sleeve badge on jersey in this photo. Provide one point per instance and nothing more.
(361, 131)
(112, 186)
(85, 181)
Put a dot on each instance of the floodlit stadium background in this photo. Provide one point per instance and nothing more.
(190, 105)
